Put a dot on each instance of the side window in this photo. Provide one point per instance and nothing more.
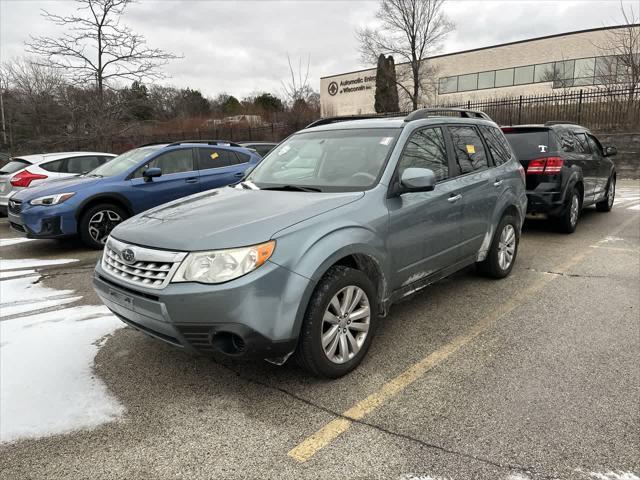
(567, 141)
(595, 145)
(241, 157)
(469, 149)
(177, 161)
(498, 146)
(81, 164)
(215, 158)
(426, 149)
(581, 143)
(54, 166)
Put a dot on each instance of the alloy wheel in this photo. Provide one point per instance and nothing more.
(101, 223)
(506, 246)
(345, 324)
(611, 193)
(575, 210)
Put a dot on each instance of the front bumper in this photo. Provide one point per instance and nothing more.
(43, 221)
(254, 316)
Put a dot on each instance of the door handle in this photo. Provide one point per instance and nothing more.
(191, 180)
(239, 174)
(497, 183)
(454, 198)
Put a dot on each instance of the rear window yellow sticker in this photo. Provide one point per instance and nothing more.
(214, 155)
(471, 149)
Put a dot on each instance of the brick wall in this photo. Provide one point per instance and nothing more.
(627, 160)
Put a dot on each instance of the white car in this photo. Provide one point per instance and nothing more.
(27, 170)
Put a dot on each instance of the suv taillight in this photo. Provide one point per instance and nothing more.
(24, 178)
(547, 165)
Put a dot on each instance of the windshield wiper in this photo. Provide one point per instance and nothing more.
(294, 188)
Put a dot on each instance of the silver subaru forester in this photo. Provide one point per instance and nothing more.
(305, 255)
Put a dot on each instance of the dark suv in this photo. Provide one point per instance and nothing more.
(567, 169)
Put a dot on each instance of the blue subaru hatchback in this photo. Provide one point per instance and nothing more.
(92, 204)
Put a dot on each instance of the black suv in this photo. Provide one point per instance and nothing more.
(567, 169)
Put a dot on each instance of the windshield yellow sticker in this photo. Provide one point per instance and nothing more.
(471, 149)
(214, 155)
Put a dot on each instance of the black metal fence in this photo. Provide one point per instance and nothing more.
(603, 109)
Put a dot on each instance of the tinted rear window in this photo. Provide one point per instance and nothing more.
(13, 166)
(530, 144)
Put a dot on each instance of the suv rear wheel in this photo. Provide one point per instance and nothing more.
(97, 222)
(568, 220)
(339, 323)
(607, 203)
(503, 251)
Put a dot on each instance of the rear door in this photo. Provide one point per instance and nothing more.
(478, 184)
(179, 178)
(424, 227)
(219, 167)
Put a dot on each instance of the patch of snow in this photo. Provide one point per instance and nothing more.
(22, 295)
(16, 273)
(610, 238)
(411, 476)
(47, 385)
(611, 475)
(518, 476)
(32, 263)
(5, 242)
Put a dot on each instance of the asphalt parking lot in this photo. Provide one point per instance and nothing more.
(533, 377)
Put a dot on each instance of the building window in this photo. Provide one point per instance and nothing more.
(449, 85)
(468, 82)
(544, 72)
(486, 80)
(523, 75)
(504, 78)
(584, 71)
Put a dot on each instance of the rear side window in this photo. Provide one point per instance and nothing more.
(82, 164)
(497, 144)
(241, 157)
(530, 144)
(469, 149)
(55, 166)
(426, 149)
(215, 158)
(13, 166)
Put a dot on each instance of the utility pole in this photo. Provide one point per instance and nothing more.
(4, 131)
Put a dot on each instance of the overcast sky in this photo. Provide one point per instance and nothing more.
(240, 47)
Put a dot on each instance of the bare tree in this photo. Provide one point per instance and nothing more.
(620, 63)
(410, 30)
(297, 88)
(96, 48)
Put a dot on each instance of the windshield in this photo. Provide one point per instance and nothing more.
(123, 162)
(332, 160)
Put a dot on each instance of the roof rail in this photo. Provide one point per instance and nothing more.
(226, 143)
(154, 143)
(558, 122)
(434, 112)
(330, 120)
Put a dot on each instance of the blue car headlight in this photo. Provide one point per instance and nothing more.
(52, 199)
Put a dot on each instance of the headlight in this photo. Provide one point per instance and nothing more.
(52, 199)
(219, 266)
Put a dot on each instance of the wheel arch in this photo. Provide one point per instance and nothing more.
(112, 198)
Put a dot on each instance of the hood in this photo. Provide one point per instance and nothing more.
(52, 187)
(226, 218)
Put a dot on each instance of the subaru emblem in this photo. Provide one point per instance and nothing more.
(127, 255)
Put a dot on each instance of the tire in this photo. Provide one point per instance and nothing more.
(333, 287)
(90, 222)
(607, 204)
(568, 220)
(504, 249)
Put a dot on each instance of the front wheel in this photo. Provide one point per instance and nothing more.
(339, 323)
(503, 251)
(97, 222)
(606, 204)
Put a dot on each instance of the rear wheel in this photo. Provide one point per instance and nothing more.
(339, 323)
(606, 204)
(568, 220)
(97, 222)
(503, 251)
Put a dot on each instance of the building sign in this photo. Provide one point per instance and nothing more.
(354, 85)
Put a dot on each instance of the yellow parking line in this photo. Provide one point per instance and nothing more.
(323, 437)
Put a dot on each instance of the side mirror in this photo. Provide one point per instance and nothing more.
(150, 173)
(417, 180)
(610, 151)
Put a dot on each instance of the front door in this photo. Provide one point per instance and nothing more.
(605, 165)
(179, 178)
(424, 227)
